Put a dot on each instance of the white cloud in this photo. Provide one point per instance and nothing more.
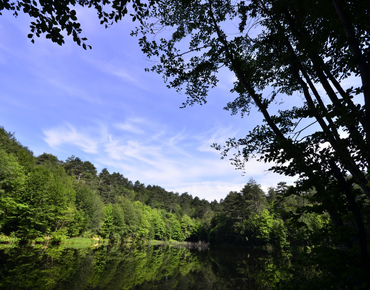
(216, 135)
(178, 138)
(208, 190)
(129, 127)
(134, 125)
(56, 137)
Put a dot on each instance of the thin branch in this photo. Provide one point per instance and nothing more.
(191, 50)
(300, 131)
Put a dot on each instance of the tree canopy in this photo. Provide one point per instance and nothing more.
(54, 18)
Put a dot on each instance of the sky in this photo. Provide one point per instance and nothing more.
(101, 106)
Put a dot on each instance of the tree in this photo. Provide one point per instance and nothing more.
(158, 224)
(107, 228)
(234, 206)
(50, 197)
(172, 227)
(238, 209)
(89, 203)
(54, 18)
(12, 146)
(122, 181)
(278, 191)
(254, 197)
(187, 226)
(80, 169)
(12, 183)
(132, 217)
(143, 228)
(280, 50)
(106, 186)
(46, 157)
(119, 225)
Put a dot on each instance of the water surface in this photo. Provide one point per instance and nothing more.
(145, 267)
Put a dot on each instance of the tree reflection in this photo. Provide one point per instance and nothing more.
(146, 267)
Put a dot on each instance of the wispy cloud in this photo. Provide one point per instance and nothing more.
(216, 135)
(132, 125)
(117, 69)
(56, 137)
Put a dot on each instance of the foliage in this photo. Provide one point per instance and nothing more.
(107, 227)
(266, 229)
(88, 202)
(12, 146)
(12, 183)
(57, 18)
(81, 170)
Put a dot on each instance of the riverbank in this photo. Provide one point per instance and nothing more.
(80, 242)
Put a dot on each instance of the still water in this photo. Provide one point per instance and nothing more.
(145, 267)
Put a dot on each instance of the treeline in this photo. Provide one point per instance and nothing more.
(323, 254)
(279, 219)
(43, 196)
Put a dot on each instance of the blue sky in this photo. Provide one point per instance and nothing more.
(101, 106)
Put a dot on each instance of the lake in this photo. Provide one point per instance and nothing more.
(139, 267)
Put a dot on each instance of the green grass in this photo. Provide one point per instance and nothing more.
(174, 242)
(78, 242)
(170, 242)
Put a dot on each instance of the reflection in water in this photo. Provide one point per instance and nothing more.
(149, 267)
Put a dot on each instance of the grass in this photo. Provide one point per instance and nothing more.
(78, 242)
(174, 242)
(11, 242)
(170, 242)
